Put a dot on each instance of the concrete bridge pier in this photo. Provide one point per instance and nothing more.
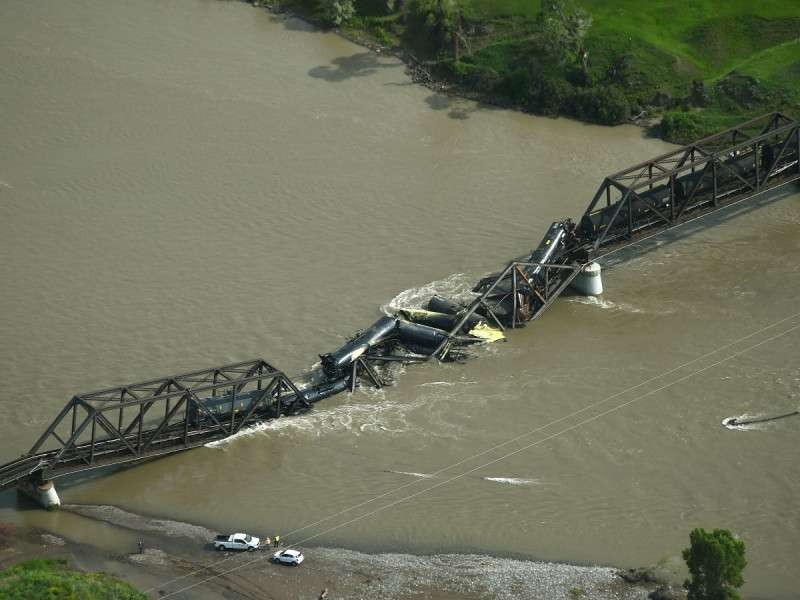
(589, 281)
(42, 491)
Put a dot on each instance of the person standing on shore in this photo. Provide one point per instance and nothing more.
(277, 541)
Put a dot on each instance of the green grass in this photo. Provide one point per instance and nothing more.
(668, 44)
(781, 62)
(491, 9)
(706, 39)
(746, 54)
(42, 579)
(677, 26)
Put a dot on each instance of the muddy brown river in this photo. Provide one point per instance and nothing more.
(191, 183)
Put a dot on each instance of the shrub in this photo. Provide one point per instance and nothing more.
(716, 561)
(383, 36)
(373, 8)
(737, 92)
(336, 12)
(681, 127)
(516, 85)
(549, 95)
(7, 531)
(436, 20)
(606, 105)
(478, 77)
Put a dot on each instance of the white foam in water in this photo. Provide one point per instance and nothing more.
(446, 383)
(601, 302)
(413, 474)
(745, 426)
(389, 417)
(457, 287)
(511, 480)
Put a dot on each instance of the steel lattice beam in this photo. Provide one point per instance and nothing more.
(714, 172)
(121, 424)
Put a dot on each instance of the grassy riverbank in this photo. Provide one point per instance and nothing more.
(700, 65)
(51, 579)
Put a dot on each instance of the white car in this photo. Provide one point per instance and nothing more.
(236, 541)
(288, 557)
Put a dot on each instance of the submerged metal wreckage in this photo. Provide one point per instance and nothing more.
(136, 422)
(445, 327)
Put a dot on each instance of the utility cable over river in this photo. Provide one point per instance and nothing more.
(136, 422)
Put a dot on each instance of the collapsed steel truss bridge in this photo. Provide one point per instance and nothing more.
(153, 418)
(141, 421)
(645, 199)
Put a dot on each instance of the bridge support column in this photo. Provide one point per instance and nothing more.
(589, 282)
(44, 492)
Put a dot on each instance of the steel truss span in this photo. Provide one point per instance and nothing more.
(136, 422)
(643, 200)
(663, 192)
(140, 421)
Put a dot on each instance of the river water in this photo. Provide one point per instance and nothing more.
(191, 183)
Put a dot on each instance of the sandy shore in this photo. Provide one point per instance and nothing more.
(177, 562)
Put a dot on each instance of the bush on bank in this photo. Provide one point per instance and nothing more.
(715, 560)
(336, 12)
(43, 579)
(602, 61)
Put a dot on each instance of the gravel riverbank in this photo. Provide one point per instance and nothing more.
(177, 556)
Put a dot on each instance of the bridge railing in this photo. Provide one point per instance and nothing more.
(662, 192)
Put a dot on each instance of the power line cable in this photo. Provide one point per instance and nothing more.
(514, 452)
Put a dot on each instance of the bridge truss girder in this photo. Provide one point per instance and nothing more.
(714, 172)
(530, 296)
(143, 420)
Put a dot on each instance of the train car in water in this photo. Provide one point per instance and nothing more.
(221, 407)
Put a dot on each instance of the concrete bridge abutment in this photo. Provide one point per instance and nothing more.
(42, 491)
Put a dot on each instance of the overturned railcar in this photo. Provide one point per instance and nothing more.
(223, 406)
(392, 337)
(337, 364)
(532, 279)
(268, 405)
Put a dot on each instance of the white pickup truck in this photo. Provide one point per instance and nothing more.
(236, 541)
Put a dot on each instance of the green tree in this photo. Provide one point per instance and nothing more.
(564, 25)
(440, 18)
(716, 561)
(336, 12)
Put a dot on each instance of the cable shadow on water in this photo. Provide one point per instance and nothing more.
(360, 64)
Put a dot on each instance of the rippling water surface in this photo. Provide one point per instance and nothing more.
(191, 183)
